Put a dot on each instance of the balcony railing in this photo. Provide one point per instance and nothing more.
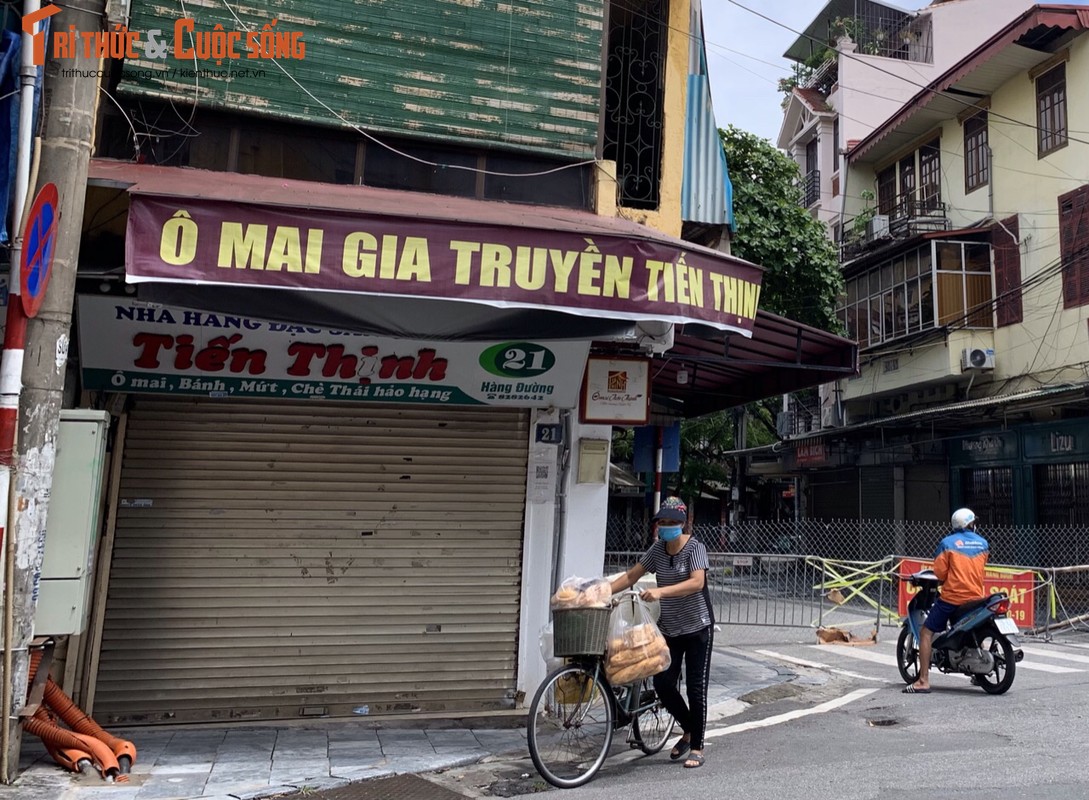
(811, 188)
(910, 217)
(906, 218)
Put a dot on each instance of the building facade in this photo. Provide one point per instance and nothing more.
(968, 298)
(857, 63)
(347, 279)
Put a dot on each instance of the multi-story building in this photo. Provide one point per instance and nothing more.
(342, 273)
(967, 290)
(857, 63)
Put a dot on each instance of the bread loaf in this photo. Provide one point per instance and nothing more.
(625, 658)
(635, 672)
(641, 635)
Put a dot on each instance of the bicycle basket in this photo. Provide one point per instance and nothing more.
(580, 631)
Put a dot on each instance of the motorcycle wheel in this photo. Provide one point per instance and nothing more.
(999, 680)
(907, 656)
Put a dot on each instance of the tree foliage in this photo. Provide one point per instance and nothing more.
(771, 228)
(801, 281)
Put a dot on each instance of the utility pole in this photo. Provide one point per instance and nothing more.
(70, 100)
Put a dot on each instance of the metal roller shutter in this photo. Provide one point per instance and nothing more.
(273, 560)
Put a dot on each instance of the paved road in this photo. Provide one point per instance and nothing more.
(850, 734)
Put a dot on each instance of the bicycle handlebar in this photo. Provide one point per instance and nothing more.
(620, 595)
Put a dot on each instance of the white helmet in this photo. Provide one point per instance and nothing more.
(963, 518)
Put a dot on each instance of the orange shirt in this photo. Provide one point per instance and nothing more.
(959, 563)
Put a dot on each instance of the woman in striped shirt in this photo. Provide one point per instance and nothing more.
(679, 563)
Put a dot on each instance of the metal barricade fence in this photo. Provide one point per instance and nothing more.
(839, 573)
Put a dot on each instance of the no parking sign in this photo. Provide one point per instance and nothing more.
(39, 245)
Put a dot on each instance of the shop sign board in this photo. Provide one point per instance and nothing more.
(1067, 440)
(994, 446)
(184, 240)
(133, 347)
(1018, 585)
(616, 391)
(811, 453)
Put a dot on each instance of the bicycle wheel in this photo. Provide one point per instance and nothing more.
(653, 726)
(570, 726)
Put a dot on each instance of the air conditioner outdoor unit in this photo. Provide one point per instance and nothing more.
(975, 358)
(877, 226)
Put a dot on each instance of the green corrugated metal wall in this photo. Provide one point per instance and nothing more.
(525, 74)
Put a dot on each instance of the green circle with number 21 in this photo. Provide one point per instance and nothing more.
(517, 359)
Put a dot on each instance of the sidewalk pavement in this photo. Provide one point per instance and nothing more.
(259, 761)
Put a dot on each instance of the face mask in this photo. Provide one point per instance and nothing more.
(668, 534)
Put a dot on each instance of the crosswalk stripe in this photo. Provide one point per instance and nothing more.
(861, 655)
(1046, 667)
(886, 660)
(817, 665)
(1036, 651)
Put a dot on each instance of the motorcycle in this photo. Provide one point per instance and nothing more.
(982, 641)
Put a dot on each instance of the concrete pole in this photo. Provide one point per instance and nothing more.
(71, 93)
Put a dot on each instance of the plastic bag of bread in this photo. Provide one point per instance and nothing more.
(636, 648)
(577, 592)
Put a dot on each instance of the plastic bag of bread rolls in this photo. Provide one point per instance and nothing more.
(636, 648)
(577, 592)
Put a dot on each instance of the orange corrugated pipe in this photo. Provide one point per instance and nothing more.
(123, 752)
(57, 738)
(70, 758)
(76, 719)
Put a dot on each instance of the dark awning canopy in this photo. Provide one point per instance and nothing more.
(724, 368)
(707, 371)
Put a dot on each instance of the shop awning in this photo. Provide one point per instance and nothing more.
(198, 227)
(707, 371)
(741, 359)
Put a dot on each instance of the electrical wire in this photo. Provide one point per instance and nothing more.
(854, 57)
(372, 138)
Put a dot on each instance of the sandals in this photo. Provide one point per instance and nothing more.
(693, 761)
(679, 750)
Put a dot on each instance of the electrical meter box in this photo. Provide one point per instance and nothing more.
(72, 523)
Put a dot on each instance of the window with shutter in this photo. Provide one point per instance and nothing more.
(976, 158)
(1051, 110)
(1007, 271)
(886, 190)
(907, 186)
(930, 170)
(1074, 246)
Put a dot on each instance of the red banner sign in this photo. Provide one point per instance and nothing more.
(1018, 586)
(207, 241)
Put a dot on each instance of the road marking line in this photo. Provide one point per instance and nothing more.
(877, 658)
(1036, 651)
(1047, 668)
(861, 655)
(767, 722)
(817, 665)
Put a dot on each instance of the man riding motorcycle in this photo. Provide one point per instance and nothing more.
(959, 563)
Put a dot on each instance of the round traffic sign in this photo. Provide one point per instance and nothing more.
(39, 245)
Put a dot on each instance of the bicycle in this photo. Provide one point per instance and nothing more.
(576, 711)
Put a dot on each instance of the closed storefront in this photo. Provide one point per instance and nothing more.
(1062, 494)
(834, 494)
(989, 492)
(926, 492)
(877, 493)
(282, 559)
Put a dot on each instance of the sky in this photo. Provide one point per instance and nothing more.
(745, 58)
